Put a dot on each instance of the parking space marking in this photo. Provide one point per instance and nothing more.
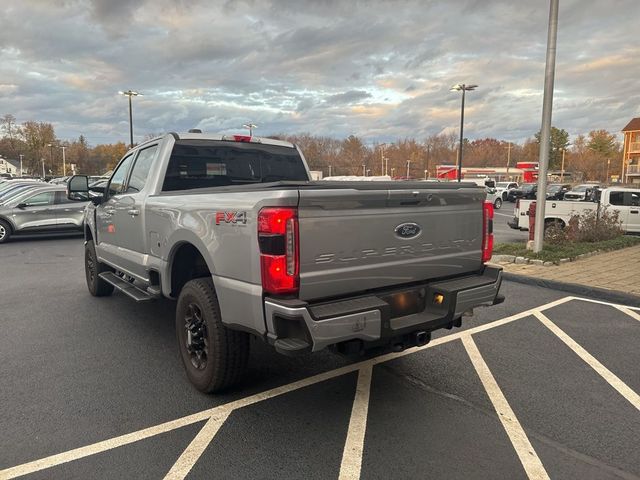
(525, 451)
(622, 388)
(503, 214)
(115, 442)
(196, 448)
(354, 445)
(628, 311)
(600, 302)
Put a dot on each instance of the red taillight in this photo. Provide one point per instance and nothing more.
(487, 231)
(279, 250)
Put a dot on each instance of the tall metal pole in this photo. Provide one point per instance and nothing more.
(508, 159)
(545, 131)
(461, 135)
(64, 161)
(562, 167)
(408, 163)
(130, 124)
(21, 155)
(382, 170)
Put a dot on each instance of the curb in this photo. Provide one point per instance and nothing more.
(577, 289)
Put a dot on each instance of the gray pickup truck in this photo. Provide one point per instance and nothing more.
(233, 228)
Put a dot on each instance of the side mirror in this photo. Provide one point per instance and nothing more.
(21, 205)
(78, 188)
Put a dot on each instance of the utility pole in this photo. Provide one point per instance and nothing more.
(43, 172)
(562, 166)
(21, 155)
(508, 159)
(382, 169)
(545, 131)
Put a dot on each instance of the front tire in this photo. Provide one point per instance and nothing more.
(5, 231)
(497, 204)
(93, 268)
(214, 357)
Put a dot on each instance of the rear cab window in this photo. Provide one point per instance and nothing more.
(219, 163)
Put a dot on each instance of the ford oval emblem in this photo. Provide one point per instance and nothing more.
(408, 230)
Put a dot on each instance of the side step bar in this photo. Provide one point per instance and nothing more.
(128, 288)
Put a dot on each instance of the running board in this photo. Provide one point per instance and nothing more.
(127, 288)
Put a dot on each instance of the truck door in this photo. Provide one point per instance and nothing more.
(633, 223)
(130, 236)
(620, 204)
(107, 222)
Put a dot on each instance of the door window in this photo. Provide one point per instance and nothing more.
(616, 198)
(119, 177)
(141, 169)
(39, 200)
(61, 197)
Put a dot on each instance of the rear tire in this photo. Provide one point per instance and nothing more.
(214, 357)
(5, 231)
(93, 268)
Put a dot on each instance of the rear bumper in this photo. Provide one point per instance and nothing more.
(373, 319)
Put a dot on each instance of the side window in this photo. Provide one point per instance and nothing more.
(616, 198)
(141, 169)
(116, 185)
(635, 199)
(61, 197)
(39, 200)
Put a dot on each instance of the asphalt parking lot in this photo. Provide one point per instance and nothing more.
(503, 233)
(542, 386)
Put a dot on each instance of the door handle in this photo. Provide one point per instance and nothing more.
(133, 212)
(109, 211)
(634, 211)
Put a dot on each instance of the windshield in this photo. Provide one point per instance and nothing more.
(526, 188)
(217, 163)
(502, 184)
(581, 188)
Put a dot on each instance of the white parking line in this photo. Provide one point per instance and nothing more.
(196, 448)
(632, 397)
(503, 214)
(527, 455)
(629, 312)
(354, 445)
(126, 439)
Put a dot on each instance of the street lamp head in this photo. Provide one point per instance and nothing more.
(461, 86)
(249, 125)
(130, 93)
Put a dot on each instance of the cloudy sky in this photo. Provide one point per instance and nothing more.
(377, 69)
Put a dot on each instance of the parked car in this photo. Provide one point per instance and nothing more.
(44, 209)
(233, 228)
(16, 186)
(556, 191)
(504, 188)
(59, 180)
(526, 190)
(494, 198)
(581, 192)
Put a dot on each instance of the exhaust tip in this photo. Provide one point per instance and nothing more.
(422, 338)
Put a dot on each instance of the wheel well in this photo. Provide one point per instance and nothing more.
(186, 265)
(87, 233)
(554, 221)
(4, 220)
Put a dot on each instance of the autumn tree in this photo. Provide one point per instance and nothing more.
(559, 141)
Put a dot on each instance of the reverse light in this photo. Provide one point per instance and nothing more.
(279, 250)
(487, 231)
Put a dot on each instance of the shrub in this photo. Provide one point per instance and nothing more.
(590, 226)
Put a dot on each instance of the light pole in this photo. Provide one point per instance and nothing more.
(562, 166)
(392, 171)
(463, 88)
(250, 126)
(64, 161)
(408, 167)
(545, 130)
(425, 174)
(329, 170)
(606, 179)
(508, 159)
(364, 171)
(130, 93)
(50, 145)
(44, 175)
(383, 171)
(21, 155)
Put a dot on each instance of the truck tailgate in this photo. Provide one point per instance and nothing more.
(355, 240)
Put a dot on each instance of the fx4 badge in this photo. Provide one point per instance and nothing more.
(231, 217)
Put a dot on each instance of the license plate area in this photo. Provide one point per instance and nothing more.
(405, 302)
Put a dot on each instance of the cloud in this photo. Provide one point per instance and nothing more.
(379, 69)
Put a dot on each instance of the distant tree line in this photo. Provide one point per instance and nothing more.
(591, 156)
